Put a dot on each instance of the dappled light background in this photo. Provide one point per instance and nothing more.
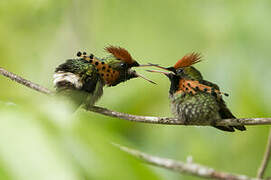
(41, 139)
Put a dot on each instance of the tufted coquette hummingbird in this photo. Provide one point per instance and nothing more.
(194, 99)
(82, 79)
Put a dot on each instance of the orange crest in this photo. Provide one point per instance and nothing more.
(188, 60)
(120, 53)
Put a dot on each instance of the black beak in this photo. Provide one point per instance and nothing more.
(172, 69)
(135, 74)
(168, 74)
(135, 64)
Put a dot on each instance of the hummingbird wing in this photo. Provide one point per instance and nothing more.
(76, 79)
(224, 111)
(208, 83)
(76, 74)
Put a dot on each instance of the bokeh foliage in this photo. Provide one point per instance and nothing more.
(41, 139)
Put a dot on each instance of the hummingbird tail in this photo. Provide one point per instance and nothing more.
(240, 128)
(225, 128)
(225, 113)
(231, 128)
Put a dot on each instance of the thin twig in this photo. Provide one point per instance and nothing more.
(176, 121)
(184, 168)
(266, 157)
(24, 82)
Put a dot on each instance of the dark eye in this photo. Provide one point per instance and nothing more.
(179, 71)
(123, 65)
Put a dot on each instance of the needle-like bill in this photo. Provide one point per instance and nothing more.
(166, 73)
(138, 75)
(147, 65)
(156, 65)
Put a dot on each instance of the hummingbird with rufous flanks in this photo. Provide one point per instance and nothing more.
(194, 99)
(82, 79)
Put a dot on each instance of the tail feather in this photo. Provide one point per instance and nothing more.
(225, 113)
(225, 128)
(240, 128)
(231, 128)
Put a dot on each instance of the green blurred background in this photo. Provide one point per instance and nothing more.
(39, 139)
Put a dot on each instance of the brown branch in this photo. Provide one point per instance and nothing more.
(266, 157)
(184, 168)
(176, 121)
(24, 82)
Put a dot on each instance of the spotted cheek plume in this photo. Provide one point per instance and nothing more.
(192, 87)
(106, 72)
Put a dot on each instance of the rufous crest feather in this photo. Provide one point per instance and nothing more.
(188, 60)
(120, 53)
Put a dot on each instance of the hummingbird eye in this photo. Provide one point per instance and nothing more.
(179, 71)
(123, 65)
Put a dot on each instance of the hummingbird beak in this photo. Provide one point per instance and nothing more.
(162, 72)
(135, 64)
(138, 75)
(172, 69)
(146, 65)
(156, 65)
